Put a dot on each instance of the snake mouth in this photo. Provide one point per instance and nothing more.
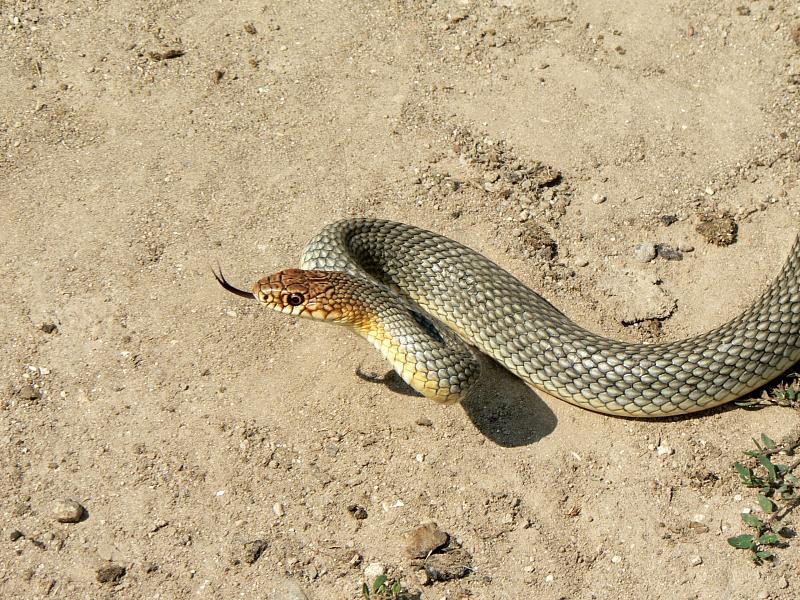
(232, 289)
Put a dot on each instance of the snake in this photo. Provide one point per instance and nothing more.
(432, 305)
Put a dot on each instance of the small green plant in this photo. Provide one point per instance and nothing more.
(778, 494)
(383, 589)
(785, 393)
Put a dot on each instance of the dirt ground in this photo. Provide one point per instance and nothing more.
(141, 142)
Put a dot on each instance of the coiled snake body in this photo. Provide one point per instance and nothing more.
(404, 289)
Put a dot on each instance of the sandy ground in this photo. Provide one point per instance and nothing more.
(140, 142)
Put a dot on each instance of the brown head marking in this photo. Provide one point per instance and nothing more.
(300, 293)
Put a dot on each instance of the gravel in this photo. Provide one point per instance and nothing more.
(719, 230)
(454, 564)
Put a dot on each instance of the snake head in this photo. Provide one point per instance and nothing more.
(310, 294)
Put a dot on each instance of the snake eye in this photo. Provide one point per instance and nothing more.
(295, 299)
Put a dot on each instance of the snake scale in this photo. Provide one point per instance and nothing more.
(425, 301)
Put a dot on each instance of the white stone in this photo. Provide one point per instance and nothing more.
(373, 570)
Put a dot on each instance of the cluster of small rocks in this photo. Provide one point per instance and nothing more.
(647, 251)
(70, 511)
(504, 174)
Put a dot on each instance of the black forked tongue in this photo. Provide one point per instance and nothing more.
(224, 283)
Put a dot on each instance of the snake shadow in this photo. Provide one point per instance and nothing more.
(506, 410)
(502, 407)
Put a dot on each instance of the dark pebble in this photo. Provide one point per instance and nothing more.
(668, 219)
(110, 573)
(49, 327)
(668, 252)
(357, 512)
(15, 535)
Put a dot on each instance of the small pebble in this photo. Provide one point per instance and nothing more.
(581, 262)
(762, 595)
(421, 577)
(289, 589)
(15, 535)
(599, 198)
(277, 508)
(782, 582)
(331, 449)
(253, 551)
(616, 559)
(549, 579)
(28, 392)
(684, 247)
(110, 573)
(423, 540)
(664, 451)
(424, 422)
(68, 511)
(644, 252)
(695, 560)
(373, 570)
